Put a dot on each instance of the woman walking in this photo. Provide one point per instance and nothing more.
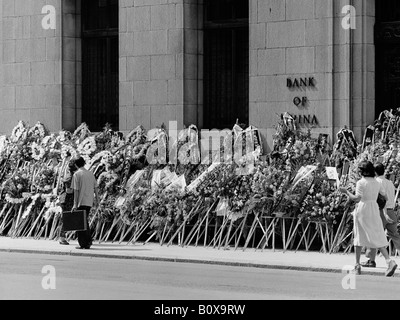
(368, 228)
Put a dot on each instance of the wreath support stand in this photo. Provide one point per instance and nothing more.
(15, 231)
(129, 230)
(264, 230)
(25, 227)
(242, 225)
(195, 231)
(189, 216)
(233, 236)
(30, 233)
(252, 230)
(292, 234)
(3, 211)
(140, 231)
(3, 224)
(304, 237)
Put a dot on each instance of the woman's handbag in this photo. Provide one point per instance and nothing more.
(381, 202)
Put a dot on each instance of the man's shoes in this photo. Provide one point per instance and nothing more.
(391, 269)
(369, 264)
(64, 242)
(82, 248)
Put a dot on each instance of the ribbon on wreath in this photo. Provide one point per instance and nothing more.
(368, 137)
(289, 121)
(346, 135)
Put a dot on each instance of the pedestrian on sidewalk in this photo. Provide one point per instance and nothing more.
(67, 197)
(84, 185)
(388, 215)
(367, 225)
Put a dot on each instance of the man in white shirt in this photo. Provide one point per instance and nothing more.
(85, 189)
(388, 215)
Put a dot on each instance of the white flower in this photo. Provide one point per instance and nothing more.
(11, 200)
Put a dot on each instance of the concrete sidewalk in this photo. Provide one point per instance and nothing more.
(300, 260)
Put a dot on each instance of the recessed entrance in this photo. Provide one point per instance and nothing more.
(387, 42)
(226, 63)
(100, 56)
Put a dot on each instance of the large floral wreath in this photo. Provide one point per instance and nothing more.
(3, 144)
(38, 152)
(38, 130)
(88, 146)
(18, 131)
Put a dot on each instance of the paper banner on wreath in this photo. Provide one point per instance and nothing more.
(303, 173)
(168, 177)
(195, 183)
(119, 202)
(368, 136)
(332, 174)
(179, 184)
(162, 178)
(133, 180)
(222, 208)
(156, 179)
(344, 171)
(234, 216)
(289, 121)
(248, 169)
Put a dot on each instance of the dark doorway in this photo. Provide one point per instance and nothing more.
(387, 43)
(226, 63)
(100, 64)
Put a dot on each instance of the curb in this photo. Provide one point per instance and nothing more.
(194, 261)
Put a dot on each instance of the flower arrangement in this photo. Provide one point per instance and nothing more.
(132, 209)
(15, 186)
(107, 182)
(43, 182)
(106, 210)
(323, 202)
(267, 187)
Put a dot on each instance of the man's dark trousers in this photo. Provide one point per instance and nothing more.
(85, 237)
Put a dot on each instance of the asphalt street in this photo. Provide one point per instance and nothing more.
(52, 277)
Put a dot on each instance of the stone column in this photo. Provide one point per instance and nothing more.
(363, 69)
(30, 66)
(160, 63)
(71, 64)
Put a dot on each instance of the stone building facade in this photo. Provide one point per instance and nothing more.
(189, 61)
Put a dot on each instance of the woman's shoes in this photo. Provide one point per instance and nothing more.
(392, 266)
(357, 269)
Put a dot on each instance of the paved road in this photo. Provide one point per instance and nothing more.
(22, 277)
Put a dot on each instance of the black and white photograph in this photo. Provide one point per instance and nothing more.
(199, 157)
